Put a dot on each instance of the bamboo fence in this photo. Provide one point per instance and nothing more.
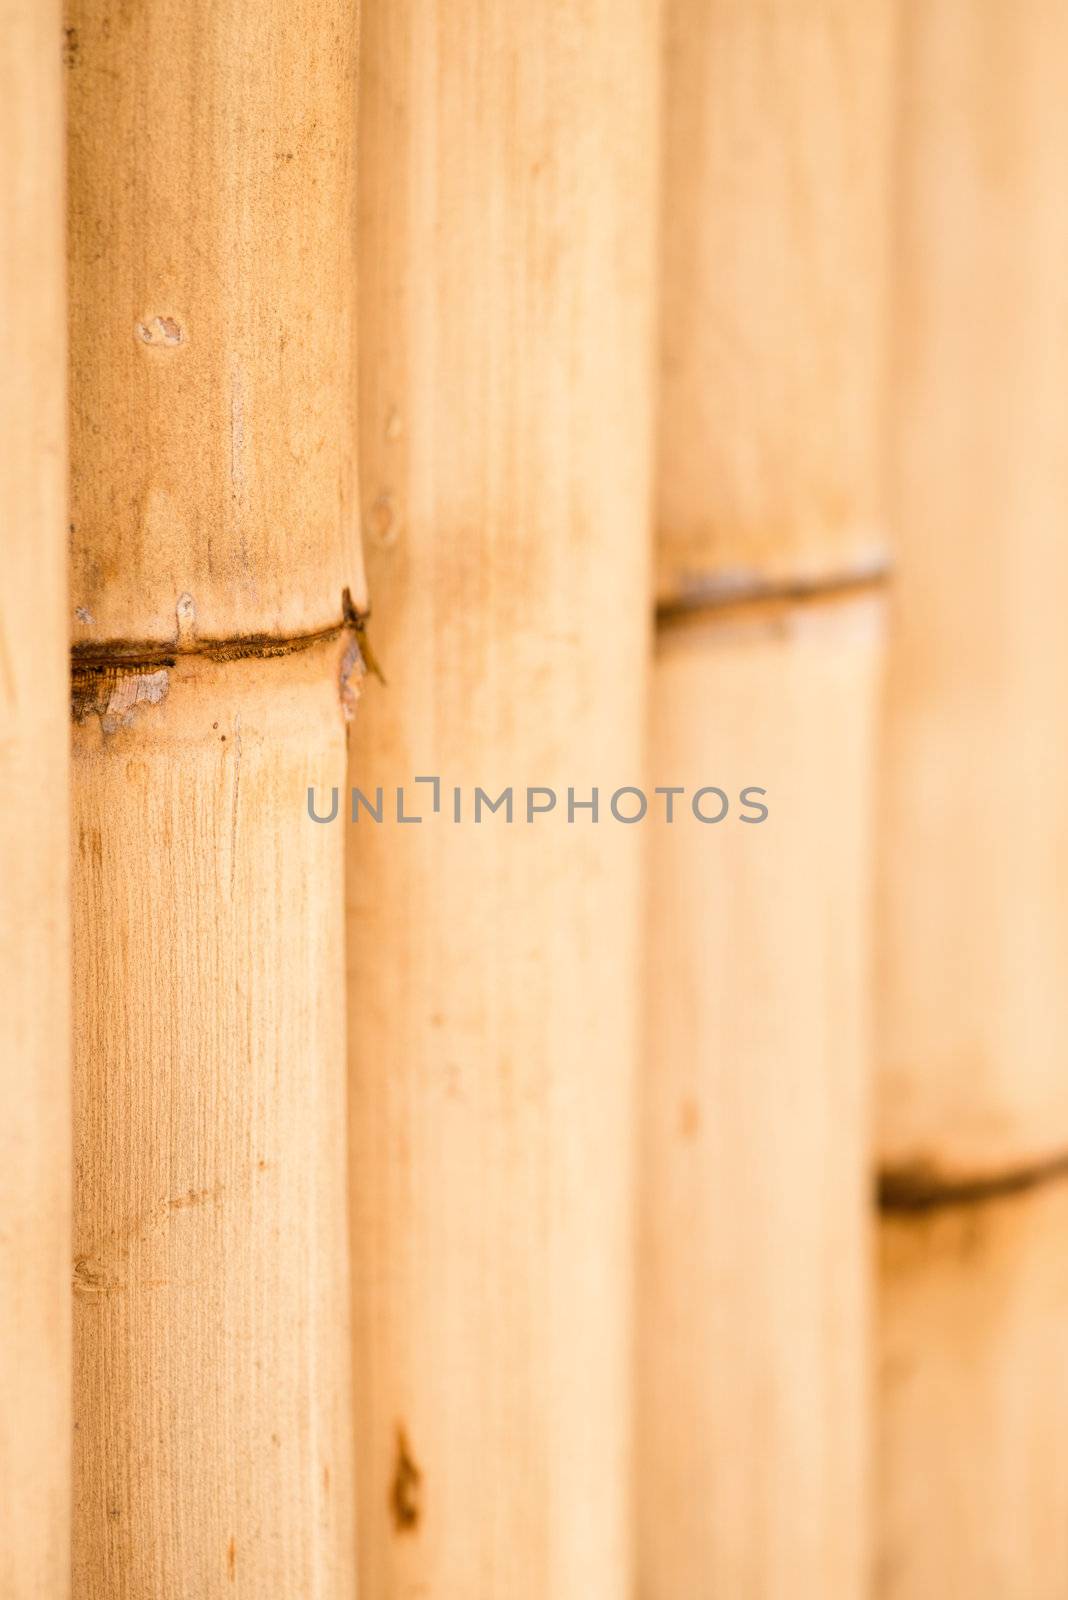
(213, 511)
(506, 226)
(472, 1196)
(972, 936)
(753, 1300)
(34, 814)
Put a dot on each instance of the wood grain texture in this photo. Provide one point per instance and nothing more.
(754, 1282)
(775, 213)
(34, 920)
(974, 1401)
(211, 159)
(973, 931)
(212, 1379)
(505, 329)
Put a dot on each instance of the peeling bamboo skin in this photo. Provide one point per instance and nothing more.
(212, 1371)
(774, 221)
(755, 1258)
(211, 154)
(34, 923)
(974, 1413)
(505, 330)
(974, 940)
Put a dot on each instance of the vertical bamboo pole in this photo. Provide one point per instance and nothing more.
(34, 950)
(973, 1017)
(754, 1293)
(506, 231)
(211, 234)
(754, 1241)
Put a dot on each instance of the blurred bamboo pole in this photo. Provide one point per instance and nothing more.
(973, 1002)
(213, 501)
(34, 942)
(973, 1462)
(754, 1294)
(506, 226)
(974, 941)
(753, 1298)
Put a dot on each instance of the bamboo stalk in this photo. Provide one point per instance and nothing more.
(211, 238)
(211, 176)
(972, 1011)
(973, 1007)
(34, 934)
(774, 227)
(973, 1471)
(754, 1285)
(506, 222)
(754, 1291)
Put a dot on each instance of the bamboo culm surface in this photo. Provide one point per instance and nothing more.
(35, 1421)
(505, 333)
(753, 1303)
(754, 1298)
(211, 180)
(972, 1466)
(972, 1005)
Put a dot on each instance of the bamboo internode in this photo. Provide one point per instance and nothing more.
(212, 318)
(34, 876)
(974, 940)
(775, 214)
(212, 312)
(755, 1215)
(505, 333)
(754, 1292)
(212, 1395)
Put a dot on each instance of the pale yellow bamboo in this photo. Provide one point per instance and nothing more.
(34, 942)
(213, 1443)
(211, 160)
(755, 1206)
(774, 225)
(973, 1466)
(754, 1285)
(212, 244)
(973, 1018)
(973, 1002)
(506, 240)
